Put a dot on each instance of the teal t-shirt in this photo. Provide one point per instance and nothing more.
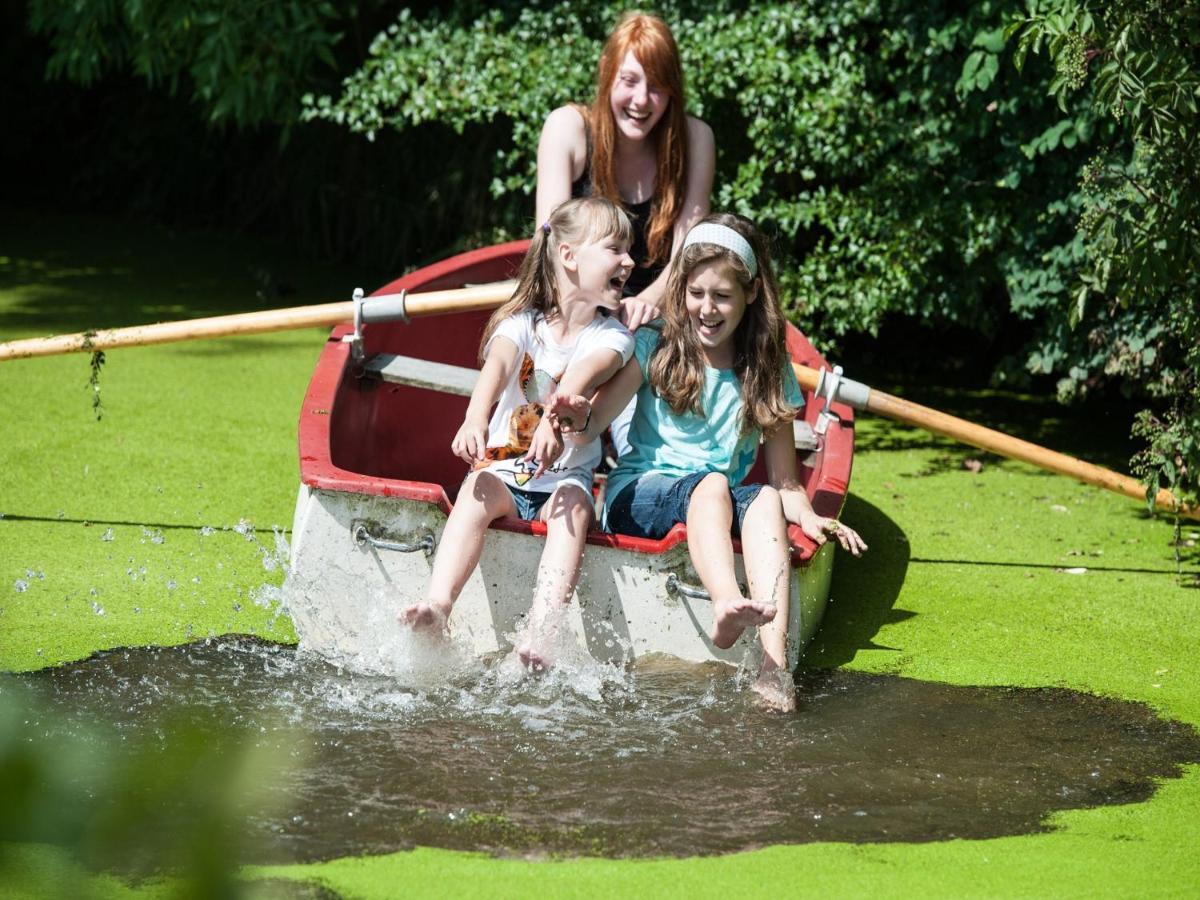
(680, 445)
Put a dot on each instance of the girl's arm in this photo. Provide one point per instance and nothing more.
(647, 306)
(562, 151)
(582, 377)
(570, 411)
(780, 450)
(470, 442)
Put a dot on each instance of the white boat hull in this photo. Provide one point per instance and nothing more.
(343, 593)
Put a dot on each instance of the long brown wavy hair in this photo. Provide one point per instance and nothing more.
(760, 343)
(571, 222)
(654, 47)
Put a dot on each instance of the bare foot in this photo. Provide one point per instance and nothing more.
(775, 688)
(732, 618)
(424, 617)
(538, 645)
(532, 659)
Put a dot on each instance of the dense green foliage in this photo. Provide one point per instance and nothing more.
(243, 63)
(150, 144)
(1137, 288)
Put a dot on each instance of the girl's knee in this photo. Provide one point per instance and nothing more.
(712, 492)
(714, 486)
(486, 490)
(767, 502)
(569, 504)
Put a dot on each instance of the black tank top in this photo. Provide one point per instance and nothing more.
(643, 275)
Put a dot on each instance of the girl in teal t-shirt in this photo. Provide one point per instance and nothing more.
(712, 381)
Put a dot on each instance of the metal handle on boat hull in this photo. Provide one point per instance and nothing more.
(423, 543)
(675, 586)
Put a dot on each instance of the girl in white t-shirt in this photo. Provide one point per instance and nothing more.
(555, 334)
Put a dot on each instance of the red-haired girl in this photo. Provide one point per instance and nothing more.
(635, 146)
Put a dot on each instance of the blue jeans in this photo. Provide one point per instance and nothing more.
(528, 503)
(652, 505)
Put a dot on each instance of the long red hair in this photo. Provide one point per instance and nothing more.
(654, 47)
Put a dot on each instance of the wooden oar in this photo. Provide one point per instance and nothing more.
(325, 315)
(862, 397)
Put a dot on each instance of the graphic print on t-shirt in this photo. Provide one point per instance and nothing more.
(536, 386)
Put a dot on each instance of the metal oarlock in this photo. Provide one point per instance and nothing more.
(837, 389)
(381, 308)
(827, 387)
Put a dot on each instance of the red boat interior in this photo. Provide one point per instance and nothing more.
(370, 437)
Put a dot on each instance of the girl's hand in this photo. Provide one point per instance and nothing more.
(545, 447)
(820, 529)
(470, 442)
(637, 311)
(570, 413)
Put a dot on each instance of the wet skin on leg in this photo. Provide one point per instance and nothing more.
(766, 551)
(482, 499)
(709, 518)
(568, 515)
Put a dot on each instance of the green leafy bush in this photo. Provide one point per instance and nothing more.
(1137, 279)
(242, 63)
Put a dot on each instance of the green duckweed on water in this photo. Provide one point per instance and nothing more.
(155, 526)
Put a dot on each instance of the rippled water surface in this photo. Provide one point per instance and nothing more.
(664, 759)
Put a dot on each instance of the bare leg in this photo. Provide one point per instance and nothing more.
(709, 517)
(567, 515)
(482, 499)
(766, 552)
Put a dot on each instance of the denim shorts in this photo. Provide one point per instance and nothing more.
(652, 505)
(528, 503)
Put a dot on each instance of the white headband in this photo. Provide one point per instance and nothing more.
(723, 236)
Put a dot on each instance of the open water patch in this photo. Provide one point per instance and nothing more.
(663, 759)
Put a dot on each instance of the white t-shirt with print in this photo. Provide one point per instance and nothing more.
(541, 365)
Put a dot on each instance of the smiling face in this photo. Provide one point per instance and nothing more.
(716, 303)
(602, 266)
(637, 105)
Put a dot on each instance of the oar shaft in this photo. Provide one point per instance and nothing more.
(932, 420)
(324, 315)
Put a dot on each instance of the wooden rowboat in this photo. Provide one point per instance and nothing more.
(378, 481)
